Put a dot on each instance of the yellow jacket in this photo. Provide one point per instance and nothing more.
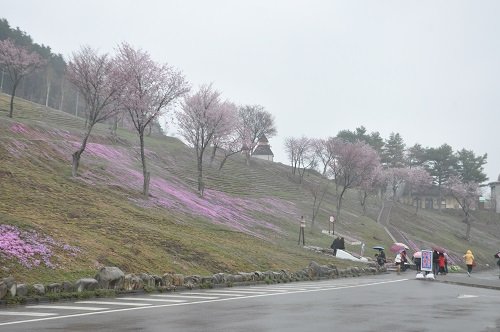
(469, 257)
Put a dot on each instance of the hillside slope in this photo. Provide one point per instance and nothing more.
(247, 221)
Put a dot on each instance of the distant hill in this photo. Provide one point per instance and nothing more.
(247, 221)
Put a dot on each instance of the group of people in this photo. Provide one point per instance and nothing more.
(439, 262)
(439, 259)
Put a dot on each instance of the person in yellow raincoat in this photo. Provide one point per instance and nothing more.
(469, 261)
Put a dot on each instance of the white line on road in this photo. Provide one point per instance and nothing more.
(283, 290)
(236, 291)
(221, 294)
(20, 313)
(149, 299)
(197, 302)
(64, 307)
(188, 296)
(112, 303)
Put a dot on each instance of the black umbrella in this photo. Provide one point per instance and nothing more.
(378, 248)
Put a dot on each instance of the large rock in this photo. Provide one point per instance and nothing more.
(22, 290)
(54, 288)
(110, 277)
(39, 289)
(86, 284)
(9, 287)
(133, 282)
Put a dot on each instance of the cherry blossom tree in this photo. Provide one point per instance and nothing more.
(396, 177)
(230, 145)
(419, 181)
(466, 194)
(150, 90)
(18, 62)
(96, 79)
(370, 186)
(204, 115)
(354, 163)
(256, 121)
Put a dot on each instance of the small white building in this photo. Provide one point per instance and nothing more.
(263, 150)
(495, 195)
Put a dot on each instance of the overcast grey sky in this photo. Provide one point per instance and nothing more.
(429, 70)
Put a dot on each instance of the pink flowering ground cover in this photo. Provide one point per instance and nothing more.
(29, 248)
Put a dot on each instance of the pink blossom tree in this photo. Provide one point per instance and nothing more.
(96, 79)
(229, 144)
(396, 177)
(203, 116)
(256, 121)
(18, 62)
(354, 163)
(466, 194)
(370, 185)
(150, 90)
(419, 181)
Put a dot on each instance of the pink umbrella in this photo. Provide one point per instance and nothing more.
(396, 247)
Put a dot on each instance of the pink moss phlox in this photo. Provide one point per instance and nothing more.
(104, 151)
(28, 247)
(220, 208)
(19, 128)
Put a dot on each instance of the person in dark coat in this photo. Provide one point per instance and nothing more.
(381, 258)
(335, 245)
(435, 264)
(341, 244)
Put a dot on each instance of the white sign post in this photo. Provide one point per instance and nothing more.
(332, 220)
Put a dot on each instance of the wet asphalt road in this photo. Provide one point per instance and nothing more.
(385, 302)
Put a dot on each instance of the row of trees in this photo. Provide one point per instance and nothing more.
(48, 85)
(131, 83)
(371, 165)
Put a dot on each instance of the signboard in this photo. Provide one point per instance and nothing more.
(426, 262)
(332, 219)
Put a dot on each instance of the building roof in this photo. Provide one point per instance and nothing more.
(262, 150)
(263, 139)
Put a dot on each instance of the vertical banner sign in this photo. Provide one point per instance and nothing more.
(426, 262)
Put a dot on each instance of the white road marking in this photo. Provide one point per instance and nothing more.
(112, 303)
(197, 302)
(280, 289)
(188, 296)
(64, 307)
(20, 313)
(149, 299)
(221, 294)
(235, 291)
(465, 296)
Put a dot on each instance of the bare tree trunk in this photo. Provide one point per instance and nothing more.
(47, 93)
(201, 185)
(62, 95)
(145, 173)
(77, 154)
(77, 100)
(14, 87)
(212, 156)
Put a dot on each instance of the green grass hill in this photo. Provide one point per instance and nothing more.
(247, 220)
